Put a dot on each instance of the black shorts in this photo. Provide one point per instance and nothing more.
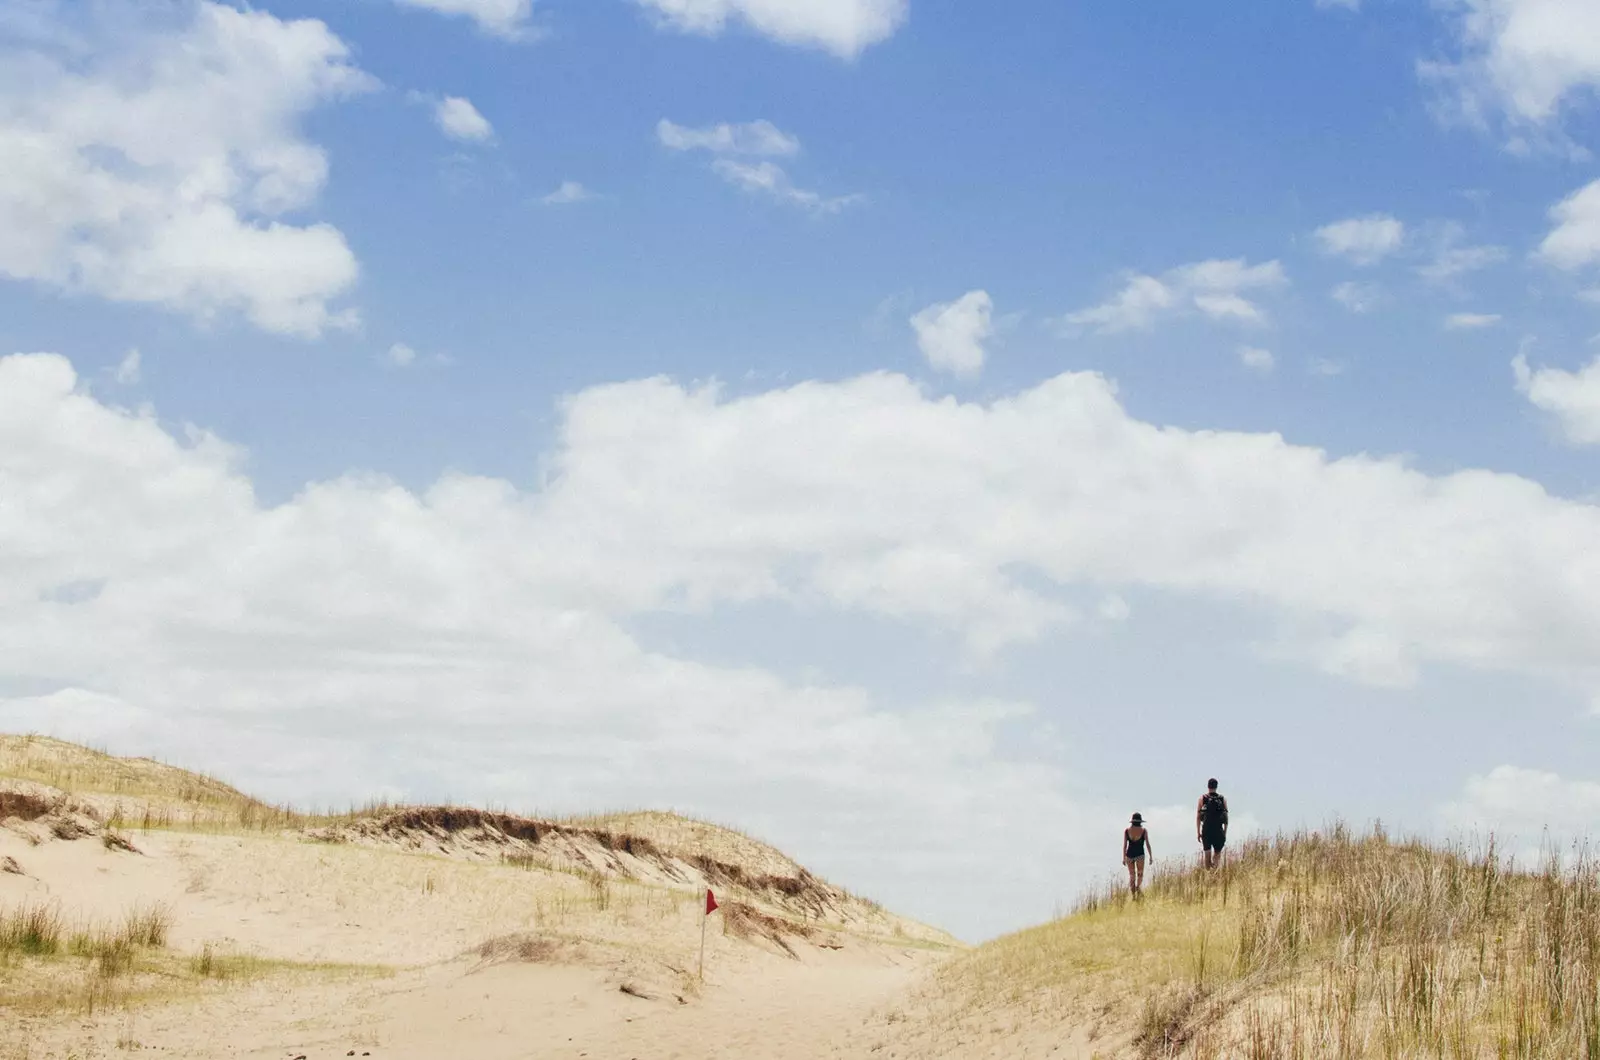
(1213, 840)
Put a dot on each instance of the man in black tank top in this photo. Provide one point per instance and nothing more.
(1211, 824)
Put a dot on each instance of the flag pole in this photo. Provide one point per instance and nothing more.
(704, 917)
(711, 907)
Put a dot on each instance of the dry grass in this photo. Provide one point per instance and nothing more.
(1318, 945)
(50, 968)
(47, 966)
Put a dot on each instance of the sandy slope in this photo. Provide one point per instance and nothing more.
(295, 901)
(437, 935)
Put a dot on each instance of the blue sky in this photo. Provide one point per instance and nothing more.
(919, 432)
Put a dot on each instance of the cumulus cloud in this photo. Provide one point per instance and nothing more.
(1454, 257)
(1575, 240)
(891, 505)
(1256, 359)
(152, 166)
(472, 627)
(951, 335)
(1362, 240)
(757, 139)
(1357, 297)
(1471, 321)
(1521, 61)
(1213, 288)
(1531, 812)
(569, 193)
(145, 589)
(502, 18)
(458, 119)
(400, 355)
(1573, 398)
(844, 27)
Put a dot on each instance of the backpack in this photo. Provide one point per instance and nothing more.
(1213, 809)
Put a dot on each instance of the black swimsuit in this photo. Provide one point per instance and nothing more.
(1131, 847)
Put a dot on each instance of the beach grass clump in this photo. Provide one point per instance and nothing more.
(34, 930)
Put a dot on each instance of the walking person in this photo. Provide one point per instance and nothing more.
(1136, 849)
(1211, 824)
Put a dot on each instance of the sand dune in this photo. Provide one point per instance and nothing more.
(147, 910)
(404, 932)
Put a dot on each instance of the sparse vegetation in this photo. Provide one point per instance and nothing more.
(45, 966)
(1321, 944)
(144, 795)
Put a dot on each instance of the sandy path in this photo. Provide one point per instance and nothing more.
(754, 1006)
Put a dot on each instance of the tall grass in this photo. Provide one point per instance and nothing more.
(1366, 947)
(1312, 945)
(33, 930)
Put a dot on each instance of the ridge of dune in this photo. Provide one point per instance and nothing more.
(396, 926)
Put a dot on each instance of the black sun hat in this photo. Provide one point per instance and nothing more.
(1138, 819)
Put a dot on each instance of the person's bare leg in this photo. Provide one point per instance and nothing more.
(1133, 883)
(1139, 871)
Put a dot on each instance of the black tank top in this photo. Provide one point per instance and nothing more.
(1133, 848)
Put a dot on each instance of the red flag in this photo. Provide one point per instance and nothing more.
(711, 902)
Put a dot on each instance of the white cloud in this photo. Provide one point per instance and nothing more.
(1212, 288)
(459, 119)
(951, 335)
(844, 27)
(502, 18)
(153, 167)
(1324, 367)
(761, 138)
(269, 642)
(569, 193)
(1519, 805)
(1573, 398)
(1363, 240)
(400, 355)
(1114, 608)
(1471, 321)
(127, 372)
(1521, 60)
(871, 495)
(1357, 297)
(1344, 5)
(1256, 359)
(1575, 240)
(1452, 261)
(771, 180)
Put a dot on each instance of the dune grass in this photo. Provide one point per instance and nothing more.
(49, 967)
(1319, 944)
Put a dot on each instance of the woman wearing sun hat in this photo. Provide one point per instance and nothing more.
(1135, 849)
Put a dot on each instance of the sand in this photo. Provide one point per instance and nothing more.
(815, 1007)
(398, 948)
